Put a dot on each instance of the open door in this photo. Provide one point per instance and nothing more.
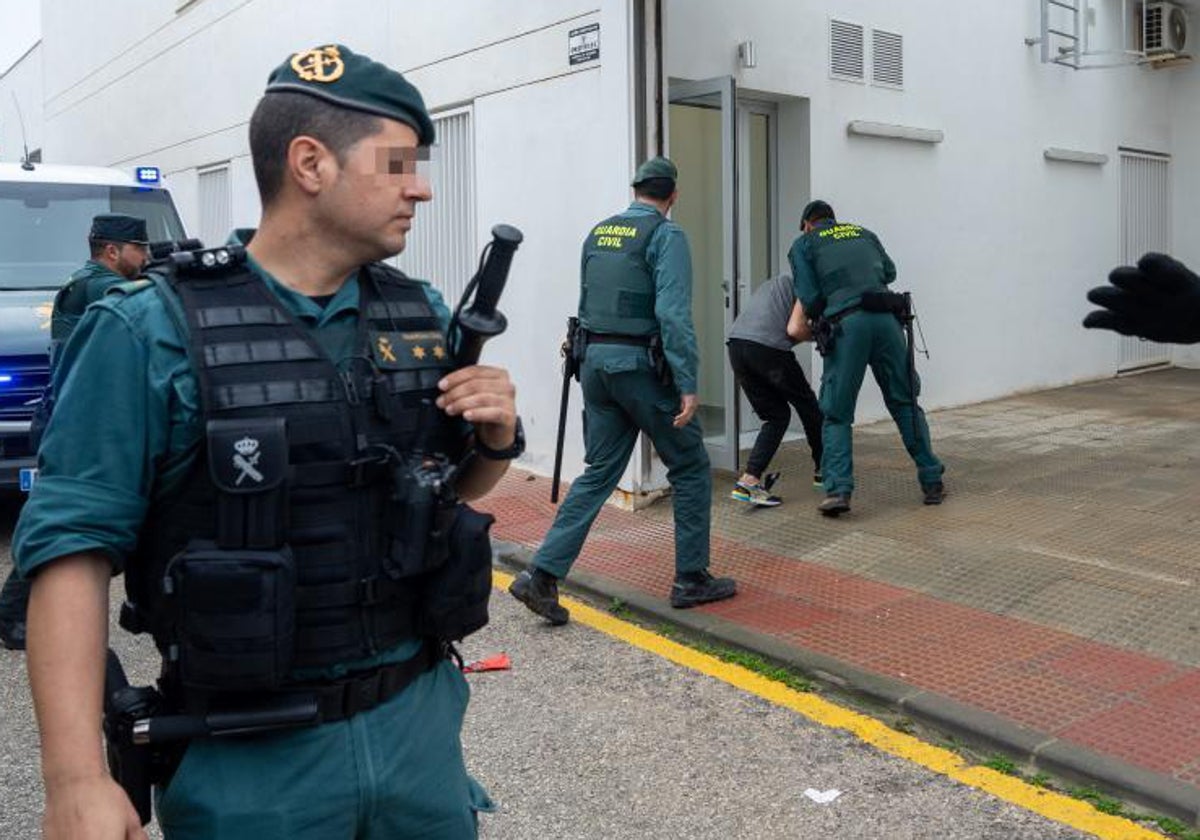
(703, 144)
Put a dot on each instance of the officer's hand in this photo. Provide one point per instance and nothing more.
(1158, 300)
(485, 397)
(92, 808)
(688, 404)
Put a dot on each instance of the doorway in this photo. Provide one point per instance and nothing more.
(725, 147)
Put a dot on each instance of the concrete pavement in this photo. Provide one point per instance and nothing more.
(1049, 608)
(588, 737)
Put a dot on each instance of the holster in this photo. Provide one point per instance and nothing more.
(135, 767)
(824, 333)
(658, 360)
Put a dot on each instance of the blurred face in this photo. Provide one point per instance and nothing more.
(126, 258)
(373, 197)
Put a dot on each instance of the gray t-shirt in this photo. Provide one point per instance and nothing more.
(765, 316)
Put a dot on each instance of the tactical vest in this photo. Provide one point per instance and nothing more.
(847, 262)
(318, 523)
(618, 284)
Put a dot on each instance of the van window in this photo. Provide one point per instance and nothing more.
(44, 227)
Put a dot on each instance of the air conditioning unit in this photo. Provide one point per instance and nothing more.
(1164, 29)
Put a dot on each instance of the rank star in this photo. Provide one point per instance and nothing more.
(439, 352)
(418, 352)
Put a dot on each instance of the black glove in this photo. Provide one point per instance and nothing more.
(1158, 300)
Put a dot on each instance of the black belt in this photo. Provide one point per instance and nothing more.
(361, 693)
(850, 310)
(618, 338)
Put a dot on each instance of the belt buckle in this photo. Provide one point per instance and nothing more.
(361, 694)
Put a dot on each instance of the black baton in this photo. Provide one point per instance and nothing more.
(481, 321)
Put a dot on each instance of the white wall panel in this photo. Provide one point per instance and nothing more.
(440, 246)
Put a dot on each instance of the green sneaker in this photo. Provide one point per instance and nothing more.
(754, 494)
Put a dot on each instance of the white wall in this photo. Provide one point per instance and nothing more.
(1185, 105)
(22, 83)
(997, 244)
(136, 83)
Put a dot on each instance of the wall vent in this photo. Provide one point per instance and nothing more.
(887, 58)
(846, 50)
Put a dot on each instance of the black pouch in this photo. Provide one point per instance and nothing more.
(454, 601)
(235, 616)
(233, 600)
(893, 303)
(247, 460)
(419, 523)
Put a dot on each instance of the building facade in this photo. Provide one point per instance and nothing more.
(1004, 186)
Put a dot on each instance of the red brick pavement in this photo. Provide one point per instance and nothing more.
(1124, 704)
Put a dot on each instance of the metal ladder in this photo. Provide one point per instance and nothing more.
(1064, 46)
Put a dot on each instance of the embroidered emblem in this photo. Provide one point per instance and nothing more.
(245, 458)
(323, 64)
(385, 348)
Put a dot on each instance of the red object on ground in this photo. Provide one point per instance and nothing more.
(499, 662)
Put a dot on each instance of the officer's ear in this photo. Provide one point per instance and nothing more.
(311, 165)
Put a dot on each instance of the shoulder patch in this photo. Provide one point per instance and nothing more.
(129, 287)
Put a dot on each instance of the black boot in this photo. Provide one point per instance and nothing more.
(934, 493)
(835, 504)
(538, 590)
(694, 588)
(12, 635)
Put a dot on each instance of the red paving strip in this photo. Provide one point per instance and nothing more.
(1136, 708)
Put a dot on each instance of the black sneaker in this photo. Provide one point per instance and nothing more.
(12, 635)
(538, 590)
(934, 493)
(818, 479)
(697, 588)
(835, 504)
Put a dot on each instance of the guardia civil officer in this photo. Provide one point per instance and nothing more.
(256, 430)
(833, 265)
(635, 293)
(1158, 299)
(760, 353)
(119, 249)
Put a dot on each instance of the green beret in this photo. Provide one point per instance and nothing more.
(117, 227)
(658, 167)
(342, 77)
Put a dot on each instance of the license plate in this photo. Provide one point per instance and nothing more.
(27, 476)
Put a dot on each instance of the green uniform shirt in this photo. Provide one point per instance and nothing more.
(833, 264)
(127, 426)
(83, 288)
(670, 261)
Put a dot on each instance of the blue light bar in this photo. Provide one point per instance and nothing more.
(148, 175)
(4, 377)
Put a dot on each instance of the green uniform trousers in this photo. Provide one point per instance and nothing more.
(394, 771)
(875, 340)
(621, 395)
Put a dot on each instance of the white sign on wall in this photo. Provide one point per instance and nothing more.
(583, 44)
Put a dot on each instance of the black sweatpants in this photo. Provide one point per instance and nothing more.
(774, 383)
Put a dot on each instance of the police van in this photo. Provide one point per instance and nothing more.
(45, 214)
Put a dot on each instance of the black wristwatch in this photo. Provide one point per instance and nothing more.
(508, 453)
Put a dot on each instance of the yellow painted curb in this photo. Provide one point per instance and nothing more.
(1055, 806)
